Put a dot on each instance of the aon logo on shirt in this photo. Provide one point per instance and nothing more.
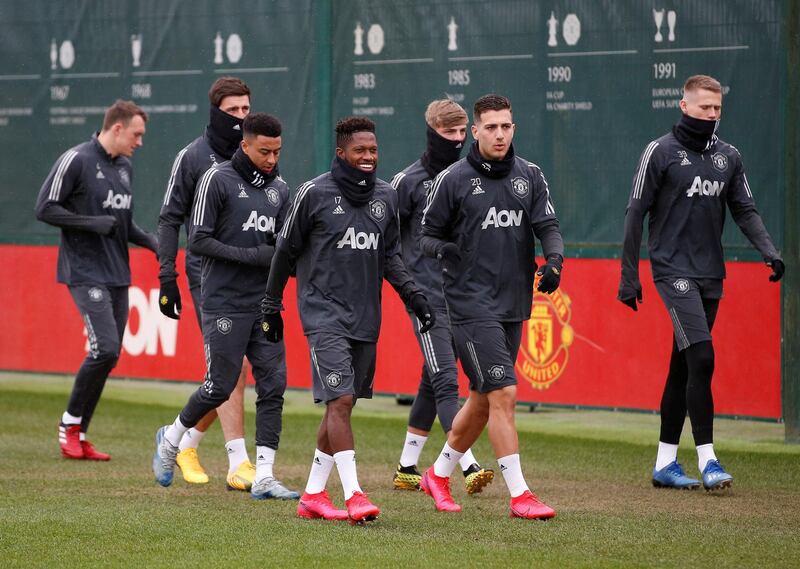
(117, 201)
(259, 222)
(360, 240)
(502, 218)
(705, 188)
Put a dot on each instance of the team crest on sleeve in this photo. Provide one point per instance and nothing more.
(720, 161)
(334, 379)
(272, 196)
(224, 325)
(681, 286)
(520, 186)
(377, 210)
(95, 294)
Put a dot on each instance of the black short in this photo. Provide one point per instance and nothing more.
(683, 298)
(487, 351)
(340, 366)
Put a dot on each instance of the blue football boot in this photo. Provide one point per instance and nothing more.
(715, 477)
(673, 476)
(164, 458)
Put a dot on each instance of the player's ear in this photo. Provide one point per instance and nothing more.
(475, 131)
(340, 152)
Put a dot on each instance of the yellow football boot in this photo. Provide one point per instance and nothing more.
(192, 472)
(242, 478)
(476, 478)
(406, 478)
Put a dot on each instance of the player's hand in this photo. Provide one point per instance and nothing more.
(169, 299)
(449, 256)
(423, 311)
(550, 274)
(272, 326)
(106, 225)
(777, 270)
(630, 294)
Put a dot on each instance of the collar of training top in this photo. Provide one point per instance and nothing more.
(356, 185)
(439, 152)
(492, 168)
(696, 134)
(250, 172)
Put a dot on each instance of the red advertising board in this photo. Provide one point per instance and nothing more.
(580, 347)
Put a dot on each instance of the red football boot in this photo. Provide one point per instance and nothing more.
(91, 453)
(438, 488)
(527, 505)
(315, 506)
(69, 438)
(360, 509)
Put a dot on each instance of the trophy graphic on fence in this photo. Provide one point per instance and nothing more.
(136, 49)
(658, 16)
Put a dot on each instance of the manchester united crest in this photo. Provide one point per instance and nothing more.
(224, 325)
(546, 339)
(377, 210)
(520, 186)
(272, 196)
(720, 161)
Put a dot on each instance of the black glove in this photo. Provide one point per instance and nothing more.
(550, 274)
(264, 255)
(629, 294)
(777, 270)
(272, 326)
(449, 255)
(106, 225)
(169, 299)
(422, 310)
(271, 239)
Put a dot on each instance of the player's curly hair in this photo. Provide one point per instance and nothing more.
(490, 102)
(347, 127)
(262, 124)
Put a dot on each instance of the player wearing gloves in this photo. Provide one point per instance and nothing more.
(342, 233)
(237, 208)
(685, 181)
(483, 217)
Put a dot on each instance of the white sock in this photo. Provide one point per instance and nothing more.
(191, 439)
(346, 465)
(666, 453)
(175, 432)
(412, 449)
(704, 454)
(512, 473)
(83, 436)
(265, 458)
(237, 454)
(321, 468)
(447, 461)
(68, 419)
(467, 460)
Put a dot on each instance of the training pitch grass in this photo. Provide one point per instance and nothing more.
(593, 467)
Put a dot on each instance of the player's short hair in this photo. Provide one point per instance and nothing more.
(227, 87)
(490, 103)
(697, 82)
(261, 124)
(445, 113)
(122, 111)
(347, 127)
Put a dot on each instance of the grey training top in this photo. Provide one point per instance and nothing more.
(230, 220)
(84, 190)
(495, 223)
(189, 166)
(685, 193)
(342, 253)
